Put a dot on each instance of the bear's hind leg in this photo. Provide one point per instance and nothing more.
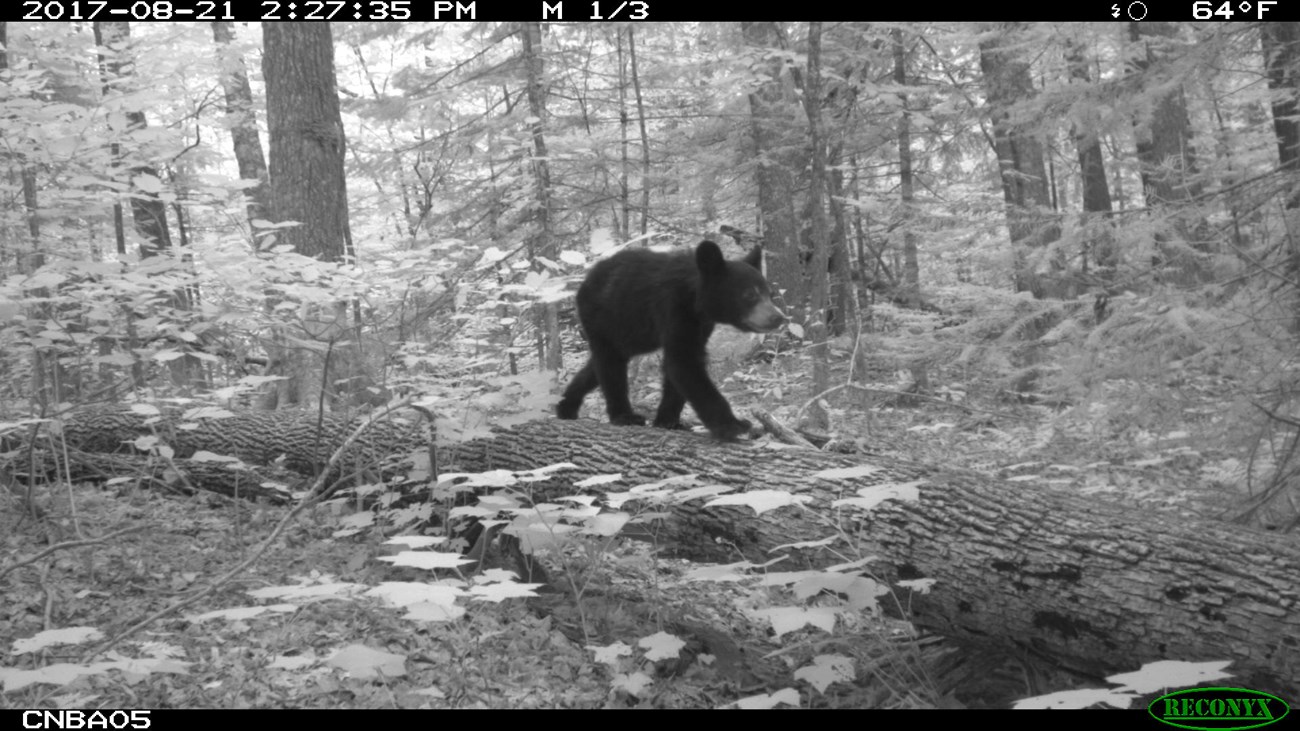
(582, 384)
(611, 370)
(669, 415)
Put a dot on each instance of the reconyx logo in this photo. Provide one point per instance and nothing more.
(1218, 709)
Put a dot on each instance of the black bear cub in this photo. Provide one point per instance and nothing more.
(639, 301)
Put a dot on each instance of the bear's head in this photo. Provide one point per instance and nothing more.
(735, 292)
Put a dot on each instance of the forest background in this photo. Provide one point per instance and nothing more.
(1055, 253)
(1072, 243)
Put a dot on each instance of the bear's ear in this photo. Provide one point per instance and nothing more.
(708, 257)
(755, 258)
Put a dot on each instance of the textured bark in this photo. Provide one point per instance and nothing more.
(1016, 567)
(306, 133)
(1086, 129)
(185, 476)
(772, 106)
(641, 126)
(819, 283)
(1281, 43)
(1020, 152)
(50, 381)
(1023, 172)
(1164, 132)
(1170, 180)
(241, 118)
(148, 211)
(307, 185)
(297, 441)
(541, 239)
(911, 286)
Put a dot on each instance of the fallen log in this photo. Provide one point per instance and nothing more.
(184, 476)
(1020, 567)
(262, 454)
(298, 441)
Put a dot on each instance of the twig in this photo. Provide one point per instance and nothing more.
(317, 493)
(1277, 417)
(954, 404)
(782, 432)
(68, 545)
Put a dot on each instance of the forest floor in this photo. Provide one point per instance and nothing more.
(1119, 446)
(328, 644)
(340, 649)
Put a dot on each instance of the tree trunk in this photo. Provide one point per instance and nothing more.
(242, 120)
(119, 233)
(769, 105)
(1023, 173)
(305, 128)
(307, 181)
(911, 289)
(1281, 42)
(541, 239)
(1100, 243)
(1168, 167)
(148, 212)
(911, 285)
(645, 136)
(624, 163)
(1020, 155)
(819, 284)
(48, 380)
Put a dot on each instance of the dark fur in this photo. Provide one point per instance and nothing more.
(639, 301)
